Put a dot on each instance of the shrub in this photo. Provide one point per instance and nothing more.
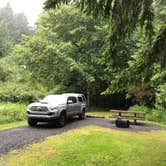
(161, 97)
(20, 92)
(138, 108)
(151, 114)
(157, 116)
(16, 84)
(11, 112)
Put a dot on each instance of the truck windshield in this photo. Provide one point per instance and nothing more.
(59, 99)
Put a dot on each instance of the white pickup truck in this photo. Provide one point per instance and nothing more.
(57, 108)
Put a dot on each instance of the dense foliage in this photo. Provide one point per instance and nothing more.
(64, 54)
(134, 53)
(5, 42)
(11, 112)
(16, 24)
(100, 48)
(124, 13)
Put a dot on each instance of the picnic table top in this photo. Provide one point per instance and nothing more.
(126, 111)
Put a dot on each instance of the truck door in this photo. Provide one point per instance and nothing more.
(71, 105)
(80, 104)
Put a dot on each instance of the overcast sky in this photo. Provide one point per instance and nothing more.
(31, 8)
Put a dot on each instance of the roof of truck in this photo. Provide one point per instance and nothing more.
(65, 95)
(72, 94)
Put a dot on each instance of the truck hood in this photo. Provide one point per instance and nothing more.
(44, 104)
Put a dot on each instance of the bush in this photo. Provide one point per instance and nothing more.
(138, 108)
(20, 92)
(161, 98)
(157, 116)
(151, 114)
(11, 112)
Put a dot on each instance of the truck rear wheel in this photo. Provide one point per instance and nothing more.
(82, 115)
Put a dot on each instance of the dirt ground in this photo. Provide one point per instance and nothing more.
(16, 138)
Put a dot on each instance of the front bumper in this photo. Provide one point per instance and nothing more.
(48, 117)
(42, 116)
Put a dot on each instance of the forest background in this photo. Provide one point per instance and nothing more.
(115, 56)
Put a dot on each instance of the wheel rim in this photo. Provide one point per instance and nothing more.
(62, 119)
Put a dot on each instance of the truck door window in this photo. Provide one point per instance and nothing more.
(73, 99)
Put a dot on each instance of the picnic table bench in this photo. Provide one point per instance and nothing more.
(129, 115)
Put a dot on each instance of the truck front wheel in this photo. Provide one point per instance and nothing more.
(62, 120)
(32, 122)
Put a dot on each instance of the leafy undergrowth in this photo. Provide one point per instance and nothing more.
(93, 146)
(151, 114)
(99, 112)
(12, 112)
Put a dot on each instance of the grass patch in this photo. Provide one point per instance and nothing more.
(11, 125)
(12, 112)
(100, 112)
(93, 146)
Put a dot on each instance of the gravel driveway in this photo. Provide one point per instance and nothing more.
(18, 137)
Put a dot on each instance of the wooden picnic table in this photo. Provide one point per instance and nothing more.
(129, 115)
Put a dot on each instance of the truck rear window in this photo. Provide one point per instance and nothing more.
(80, 99)
(84, 99)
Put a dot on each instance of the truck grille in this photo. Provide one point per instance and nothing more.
(39, 108)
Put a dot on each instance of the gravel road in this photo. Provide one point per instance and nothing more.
(16, 138)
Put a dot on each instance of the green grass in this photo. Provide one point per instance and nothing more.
(93, 146)
(12, 112)
(99, 112)
(11, 125)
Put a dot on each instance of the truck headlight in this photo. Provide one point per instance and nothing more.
(29, 107)
(53, 108)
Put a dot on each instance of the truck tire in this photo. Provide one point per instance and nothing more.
(82, 115)
(32, 122)
(62, 120)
